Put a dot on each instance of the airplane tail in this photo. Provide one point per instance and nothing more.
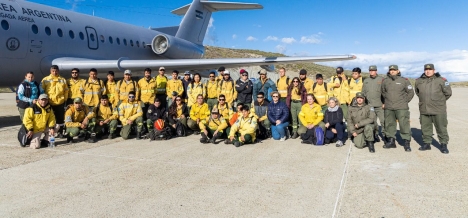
(197, 17)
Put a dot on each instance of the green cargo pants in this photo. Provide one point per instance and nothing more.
(295, 110)
(302, 129)
(368, 135)
(379, 113)
(126, 129)
(344, 107)
(391, 117)
(440, 122)
(248, 139)
(111, 126)
(193, 125)
(74, 131)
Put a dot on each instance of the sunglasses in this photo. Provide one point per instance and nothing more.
(131, 96)
(295, 81)
(212, 76)
(222, 99)
(74, 72)
(275, 96)
(259, 96)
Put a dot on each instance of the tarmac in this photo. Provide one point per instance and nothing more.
(183, 178)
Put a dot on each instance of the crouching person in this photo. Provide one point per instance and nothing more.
(361, 122)
(311, 117)
(335, 128)
(106, 118)
(212, 127)
(243, 131)
(80, 121)
(39, 119)
(155, 112)
(177, 116)
(131, 114)
(198, 112)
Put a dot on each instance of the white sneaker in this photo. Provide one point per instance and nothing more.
(283, 139)
(339, 143)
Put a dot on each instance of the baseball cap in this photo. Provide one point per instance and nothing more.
(429, 66)
(263, 71)
(43, 96)
(393, 67)
(162, 68)
(360, 95)
(303, 72)
(78, 100)
(372, 67)
(187, 73)
(226, 72)
(242, 71)
(215, 110)
(221, 69)
(128, 72)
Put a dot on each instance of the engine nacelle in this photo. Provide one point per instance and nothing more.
(175, 48)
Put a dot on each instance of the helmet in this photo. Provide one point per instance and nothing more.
(159, 125)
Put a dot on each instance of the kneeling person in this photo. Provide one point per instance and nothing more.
(39, 119)
(243, 131)
(212, 127)
(155, 112)
(131, 114)
(361, 122)
(79, 120)
(198, 112)
(106, 117)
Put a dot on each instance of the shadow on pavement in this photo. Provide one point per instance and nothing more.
(417, 136)
(7, 121)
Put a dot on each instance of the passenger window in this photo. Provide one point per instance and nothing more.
(118, 41)
(91, 36)
(131, 43)
(5, 25)
(143, 44)
(125, 42)
(81, 36)
(72, 34)
(110, 40)
(138, 44)
(102, 38)
(59, 32)
(35, 29)
(48, 31)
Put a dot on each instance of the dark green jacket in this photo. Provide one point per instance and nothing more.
(397, 92)
(360, 115)
(372, 89)
(433, 94)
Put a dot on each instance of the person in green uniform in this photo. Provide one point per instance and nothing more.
(372, 89)
(361, 119)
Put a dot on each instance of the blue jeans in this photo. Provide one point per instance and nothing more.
(279, 131)
(340, 129)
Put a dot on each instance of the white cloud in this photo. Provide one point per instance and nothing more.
(251, 38)
(288, 40)
(271, 38)
(210, 24)
(313, 39)
(281, 49)
(234, 36)
(74, 3)
(451, 64)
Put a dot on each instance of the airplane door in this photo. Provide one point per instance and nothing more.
(92, 38)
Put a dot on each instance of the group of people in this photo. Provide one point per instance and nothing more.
(241, 111)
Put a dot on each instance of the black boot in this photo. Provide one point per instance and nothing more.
(237, 143)
(86, 136)
(443, 148)
(376, 138)
(111, 136)
(407, 146)
(92, 139)
(385, 139)
(138, 137)
(227, 142)
(213, 140)
(390, 143)
(425, 147)
(295, 135)
(69, 139)
(371, 146)
(204, 138)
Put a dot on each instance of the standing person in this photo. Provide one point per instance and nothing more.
(361, 119)
(155, 112)
(372, 89)
(39, 119)
(80, 121)
(161, 86)
(221, 73)
(148, 91)
(355, 84)
(194, 89)
(126, 86)
(111, 84)
(198, 112)
(174, 86)
(106, 118)
(282, 84)
(75, 86)
(333, 119)
(28, 93)
(186, 81)
(259, 110)
(306, 82)
(244, 88)
(227, 88)
(212, 127)
(433, 92)
(243, 131)
(297, 96)
(131, 114)
(93, 89)
(278, 114)
(178, 112)
(321, 92)
(56, 88)
(339, 83)
(311, 117)
(265, 85)
(211, 87)
(397, 92)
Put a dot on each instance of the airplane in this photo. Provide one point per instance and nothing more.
(37, 36)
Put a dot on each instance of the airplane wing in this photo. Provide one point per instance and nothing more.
(68, 63)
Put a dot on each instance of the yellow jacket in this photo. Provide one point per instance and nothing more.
(56, 88)
(228, 89)
(161, 84)
(74, 118)
(312, 115)
(308, 85)
(123, 87)
(219, 124)
(111, 92)
(92, 92)
(75, 88)
(37, 118)
(130, 111)
(225, 111)
(199, 111)
(174, 86)
(193, 92)
(106, 112)
(147, 90)
(245, 126)
(282, 86)
(211, 89)
(341, 93)
(321, 94)
(354, 88)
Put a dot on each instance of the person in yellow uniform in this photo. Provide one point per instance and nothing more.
(75, 86)
(93, 89)
(355, 84)
(198, 112)
(56, 88)
(147, 91)
(310, 116)
(178, 112)
(321, 93)
(282, 84)
(340, 86)
(106, 118)
(111, 84)
(161, 87)
(297, 96)
(39, 119)
(174, 85)
(126, 86)
(212, 127)
(306, 82)
(131, 114)
(244, 130)
(211, 87)
(194, 89)
(220, 73)
(80, 121)
(227, 88)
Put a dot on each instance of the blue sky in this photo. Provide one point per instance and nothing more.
(403, 32)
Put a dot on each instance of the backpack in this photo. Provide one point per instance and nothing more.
(318, 136)
(324, 84)
(350, 79)
(287, 81)
(164, 134)
(180, 129)
(232, 83)
(22, 136)
(119, 84)
(98, 80)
